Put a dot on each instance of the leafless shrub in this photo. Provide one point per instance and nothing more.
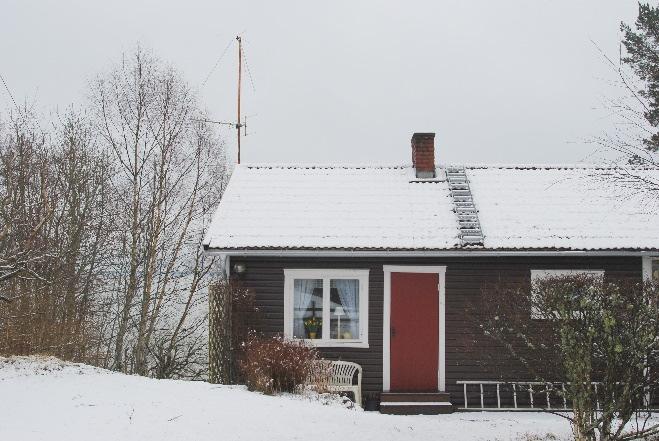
(536, 437)
(275, 364)
(319, 379)
(581, 329)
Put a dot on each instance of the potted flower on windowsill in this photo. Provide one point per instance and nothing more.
(312, 325)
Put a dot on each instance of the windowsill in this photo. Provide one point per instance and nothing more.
(335, 343)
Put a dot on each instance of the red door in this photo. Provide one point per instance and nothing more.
(414, 344)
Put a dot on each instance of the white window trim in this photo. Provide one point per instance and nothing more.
(386, 321)
(647, 267)
(543, 273)
(326, 274)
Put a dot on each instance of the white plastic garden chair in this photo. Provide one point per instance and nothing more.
(342, 374)
(340, 378)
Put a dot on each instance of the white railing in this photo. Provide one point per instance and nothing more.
(545, 391)
(522, 387)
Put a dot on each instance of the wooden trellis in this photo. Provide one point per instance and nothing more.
(220, 353)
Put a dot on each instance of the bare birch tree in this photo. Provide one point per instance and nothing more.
(53, 223)
(635, 138)
(101, 222)
(170, 173)
(25, 203)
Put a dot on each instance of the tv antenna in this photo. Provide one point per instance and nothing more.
(240, 74)
(238, 124)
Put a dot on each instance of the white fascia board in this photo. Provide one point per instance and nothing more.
(423, 253)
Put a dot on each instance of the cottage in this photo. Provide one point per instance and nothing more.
(377, 265)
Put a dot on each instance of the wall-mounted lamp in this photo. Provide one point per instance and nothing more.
(239, 268)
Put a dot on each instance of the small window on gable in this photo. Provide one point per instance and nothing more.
(541, 274)
(327, 307)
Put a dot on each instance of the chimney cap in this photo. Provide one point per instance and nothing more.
(423, 135)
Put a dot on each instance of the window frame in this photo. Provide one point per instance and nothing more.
(538, 274)
(648, 262)
(326, 275)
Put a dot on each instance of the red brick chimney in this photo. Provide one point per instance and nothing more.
(423, 155)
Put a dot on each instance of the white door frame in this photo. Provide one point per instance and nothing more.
(647, 267)
(386, 320)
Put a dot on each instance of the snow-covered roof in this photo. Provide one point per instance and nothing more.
(580, 208)
(332, 207)
(387, 208)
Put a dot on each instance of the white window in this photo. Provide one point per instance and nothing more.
(542, 274)
(651, 269)
(327, 307)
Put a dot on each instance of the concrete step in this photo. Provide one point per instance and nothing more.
(415, 396)
(415, 403)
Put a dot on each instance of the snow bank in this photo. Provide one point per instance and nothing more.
(47, 399)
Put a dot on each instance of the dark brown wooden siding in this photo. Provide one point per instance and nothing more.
(469, 355)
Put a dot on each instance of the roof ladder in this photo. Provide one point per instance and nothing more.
(470, 232)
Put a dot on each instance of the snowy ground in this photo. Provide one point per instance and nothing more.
(46, 399)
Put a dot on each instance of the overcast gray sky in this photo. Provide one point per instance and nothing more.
(347, 81)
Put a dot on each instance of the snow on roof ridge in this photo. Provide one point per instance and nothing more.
(474, 166)
(573, 166)
(323, 166)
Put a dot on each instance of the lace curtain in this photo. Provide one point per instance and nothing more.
(348, 290)
(303, 289)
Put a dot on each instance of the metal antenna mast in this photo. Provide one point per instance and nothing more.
(238, 125)
(240, 73)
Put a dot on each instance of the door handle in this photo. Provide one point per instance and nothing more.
(392, 331)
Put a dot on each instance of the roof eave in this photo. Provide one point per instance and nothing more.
(473, 252)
